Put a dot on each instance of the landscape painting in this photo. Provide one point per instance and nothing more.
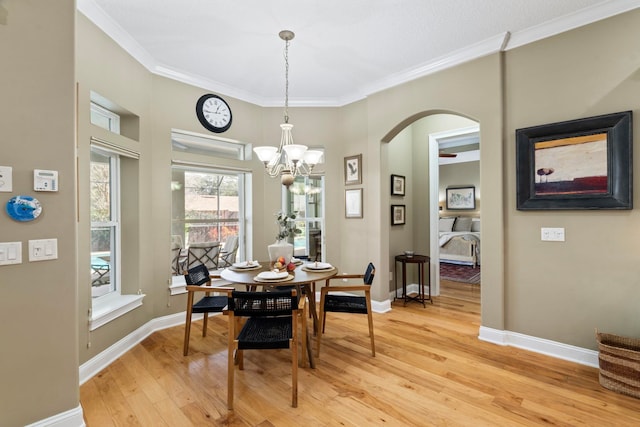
(576, 165)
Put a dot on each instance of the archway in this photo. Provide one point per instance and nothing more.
(422, 180)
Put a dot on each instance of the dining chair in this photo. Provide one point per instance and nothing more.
(347, 303)
(271, 323)
(228, 253)
(203, 253)
(195, 278)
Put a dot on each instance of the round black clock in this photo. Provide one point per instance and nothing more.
(213, 113)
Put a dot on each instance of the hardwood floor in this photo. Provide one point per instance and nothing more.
(429, 369)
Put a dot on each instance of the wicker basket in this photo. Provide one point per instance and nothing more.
(619, 359)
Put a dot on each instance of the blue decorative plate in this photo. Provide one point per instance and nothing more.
(23, 208)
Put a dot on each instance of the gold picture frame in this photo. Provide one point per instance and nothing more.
(353, 170)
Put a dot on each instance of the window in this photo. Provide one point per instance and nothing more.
(104, 118)
(306, 198)
(207, 205)
(108, 266)
(105, 222)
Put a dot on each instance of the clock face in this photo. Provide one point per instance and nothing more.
(213, 113)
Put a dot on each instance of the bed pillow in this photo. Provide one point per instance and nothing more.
(446, 224)
(462, 224)
(475, 225)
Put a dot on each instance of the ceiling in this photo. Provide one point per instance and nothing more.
(343, 50)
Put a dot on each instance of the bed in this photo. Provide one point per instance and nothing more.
(459, 240)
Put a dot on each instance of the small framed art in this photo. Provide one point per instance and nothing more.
(353, 203)
(397, 185)
(353, 170)
(398, 214)
(461, 198)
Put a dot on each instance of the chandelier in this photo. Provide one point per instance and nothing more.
(289, 160)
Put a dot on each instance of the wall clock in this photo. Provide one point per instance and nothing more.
(214, 113)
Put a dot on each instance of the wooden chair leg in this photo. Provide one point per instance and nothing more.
(230, 363)
(370, 318)
(303, 338)
(294, 363)
(205, 322)
(321, 318)
(187, 324)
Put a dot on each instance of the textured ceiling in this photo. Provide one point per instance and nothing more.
(343, 51)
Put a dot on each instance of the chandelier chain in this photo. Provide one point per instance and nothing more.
(286, 82)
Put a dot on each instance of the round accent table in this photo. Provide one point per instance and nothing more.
(420, 260)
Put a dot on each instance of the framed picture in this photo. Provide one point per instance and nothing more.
(577, 164)
(397, 185)
(353, 170)
(353, 203)
(398, 214)
(461, 198)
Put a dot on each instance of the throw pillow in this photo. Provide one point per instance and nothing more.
(462, 224)
(445, 224)
(475, 225)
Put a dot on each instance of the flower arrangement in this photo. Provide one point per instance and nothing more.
(287, 225)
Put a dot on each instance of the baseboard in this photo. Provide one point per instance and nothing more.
(108, 356)
(555, 349)
(70, 418)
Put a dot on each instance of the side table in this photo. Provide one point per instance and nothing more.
(420, 260)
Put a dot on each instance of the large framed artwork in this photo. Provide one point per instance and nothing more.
(577, 164)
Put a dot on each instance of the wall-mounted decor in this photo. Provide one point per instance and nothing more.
(397, 185)
(461, 198)
(398, 214)
(353, 203)
(353, 170)
(577, 164)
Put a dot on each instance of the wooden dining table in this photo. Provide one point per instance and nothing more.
(303, 280)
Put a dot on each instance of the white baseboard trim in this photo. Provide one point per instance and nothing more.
(70, 418)
(555, 349)
(105, 358)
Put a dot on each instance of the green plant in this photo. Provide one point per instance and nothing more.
(286, 225)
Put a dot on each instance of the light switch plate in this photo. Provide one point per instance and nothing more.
(552, 234)
(43, 249)
(6, 179)
(10, 253)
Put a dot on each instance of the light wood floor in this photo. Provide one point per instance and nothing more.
(429, 369)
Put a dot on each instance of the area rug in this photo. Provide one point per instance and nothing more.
(460, 273)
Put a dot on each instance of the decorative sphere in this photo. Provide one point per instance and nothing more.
(287, 179)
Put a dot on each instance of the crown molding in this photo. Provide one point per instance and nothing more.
(501, 42)
(586, 16)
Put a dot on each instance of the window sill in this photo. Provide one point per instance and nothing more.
(111, 307)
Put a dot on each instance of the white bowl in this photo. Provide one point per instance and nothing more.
(408, 254)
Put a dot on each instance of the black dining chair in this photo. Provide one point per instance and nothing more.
(271, 323)
(199, 280)
(347, 303)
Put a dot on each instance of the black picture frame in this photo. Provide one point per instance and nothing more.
(398, 185)
(398, 214)
(594, 158)
(461, 198)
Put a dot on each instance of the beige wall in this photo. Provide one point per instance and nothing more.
(563, 291)
(558, 291)
(38, 300)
